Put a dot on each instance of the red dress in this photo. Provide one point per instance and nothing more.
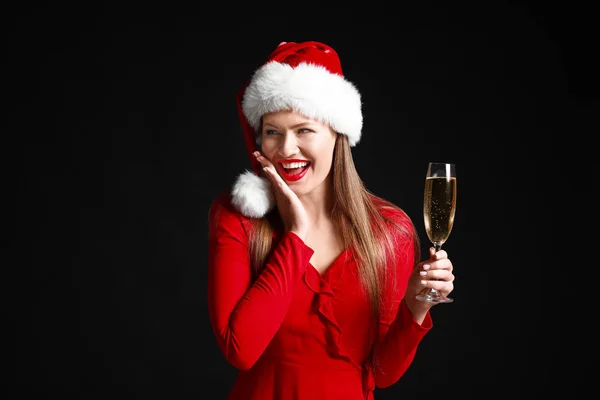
(294, 334)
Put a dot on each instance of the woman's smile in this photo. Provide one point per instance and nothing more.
(293, 170)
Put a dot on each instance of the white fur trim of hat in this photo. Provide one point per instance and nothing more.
(309, 89)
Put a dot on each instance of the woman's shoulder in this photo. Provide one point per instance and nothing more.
(222, 209)
(392, 212)
(223, 199)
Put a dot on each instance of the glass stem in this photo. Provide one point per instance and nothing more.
(437, 248)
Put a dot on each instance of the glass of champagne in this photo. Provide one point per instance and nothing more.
(439, 206)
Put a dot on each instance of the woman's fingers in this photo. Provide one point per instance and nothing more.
(281, 188)
(439, 260)
(270, 171)
(442, 286)
(437, 274)
(290, 207)
(445, 264)
(274, 177)
(439, 255)
(265, 162)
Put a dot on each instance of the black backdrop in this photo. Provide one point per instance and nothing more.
(126, 130)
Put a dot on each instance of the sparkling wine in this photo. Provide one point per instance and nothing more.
(439, 207)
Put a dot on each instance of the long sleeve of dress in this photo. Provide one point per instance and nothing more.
(400, 334)
(245, 315)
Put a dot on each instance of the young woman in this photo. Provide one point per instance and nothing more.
(312, 278)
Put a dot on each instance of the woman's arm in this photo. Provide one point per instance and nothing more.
(400, 332)
(245, 315)
(399, 342)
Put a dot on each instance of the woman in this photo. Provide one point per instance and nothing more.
(312, 278)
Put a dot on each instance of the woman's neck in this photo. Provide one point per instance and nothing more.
(318, 205)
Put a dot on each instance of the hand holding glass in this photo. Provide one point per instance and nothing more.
(439, 206)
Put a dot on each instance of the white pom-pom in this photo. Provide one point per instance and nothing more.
(252, 195)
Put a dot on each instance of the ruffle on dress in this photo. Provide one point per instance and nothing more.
(323, 287)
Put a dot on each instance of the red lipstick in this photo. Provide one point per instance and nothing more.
(292, 177)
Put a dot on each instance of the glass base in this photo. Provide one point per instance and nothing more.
(433, 296)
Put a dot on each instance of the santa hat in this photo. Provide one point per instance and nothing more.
(307, 78)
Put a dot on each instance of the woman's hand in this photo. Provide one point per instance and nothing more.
(434, 273)
(291, 209)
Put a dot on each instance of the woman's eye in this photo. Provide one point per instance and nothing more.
(270, 132)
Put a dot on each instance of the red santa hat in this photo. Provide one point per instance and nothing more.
(307, 78)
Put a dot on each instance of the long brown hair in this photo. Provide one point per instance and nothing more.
(357, 214)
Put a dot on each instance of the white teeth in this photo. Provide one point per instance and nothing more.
(294, 165)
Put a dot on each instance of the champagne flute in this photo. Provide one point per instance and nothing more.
(439, 206)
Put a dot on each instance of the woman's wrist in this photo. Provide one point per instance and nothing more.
(418, 309)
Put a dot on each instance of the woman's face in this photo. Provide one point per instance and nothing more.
(300, 148)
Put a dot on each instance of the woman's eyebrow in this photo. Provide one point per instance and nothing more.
(298, 125)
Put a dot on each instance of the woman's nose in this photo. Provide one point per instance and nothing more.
(289, 146)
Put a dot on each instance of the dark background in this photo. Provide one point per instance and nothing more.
(122, 128)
